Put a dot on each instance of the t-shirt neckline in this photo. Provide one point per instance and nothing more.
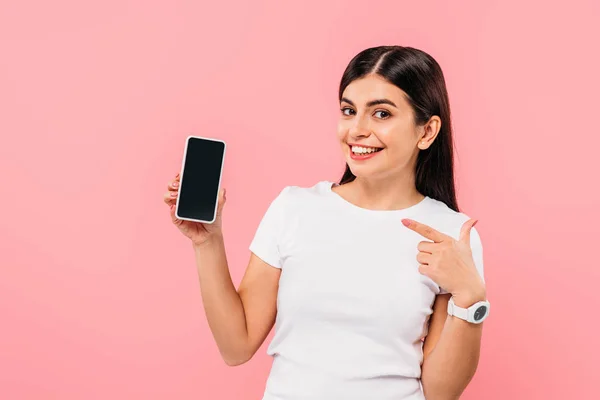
(395, 213)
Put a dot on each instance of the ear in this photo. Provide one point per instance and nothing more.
(429, 132)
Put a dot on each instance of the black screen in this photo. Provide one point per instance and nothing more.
(200, 179)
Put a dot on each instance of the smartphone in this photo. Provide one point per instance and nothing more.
(200, 179)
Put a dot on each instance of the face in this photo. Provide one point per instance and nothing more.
(377, 131)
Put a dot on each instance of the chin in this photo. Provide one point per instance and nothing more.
(363, 171)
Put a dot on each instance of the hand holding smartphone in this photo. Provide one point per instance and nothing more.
(194, 196)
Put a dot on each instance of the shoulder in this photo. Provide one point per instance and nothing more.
(293, 203)
(293, 194)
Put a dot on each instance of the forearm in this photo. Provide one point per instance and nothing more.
(222, 303)
(451, 365)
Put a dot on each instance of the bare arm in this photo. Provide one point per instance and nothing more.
(451, 353)
(239, 320)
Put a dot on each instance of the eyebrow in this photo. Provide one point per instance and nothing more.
(372, 102)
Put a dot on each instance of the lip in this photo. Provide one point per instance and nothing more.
(363, 156)
(364, 145)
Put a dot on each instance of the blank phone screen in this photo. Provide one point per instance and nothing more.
(200, 179)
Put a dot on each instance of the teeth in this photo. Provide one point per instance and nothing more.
(363, 150)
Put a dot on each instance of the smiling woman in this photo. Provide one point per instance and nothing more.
(356, 276)
(395, 98)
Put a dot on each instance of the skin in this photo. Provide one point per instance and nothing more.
(241, 320)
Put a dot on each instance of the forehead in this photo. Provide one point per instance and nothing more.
(373, 87)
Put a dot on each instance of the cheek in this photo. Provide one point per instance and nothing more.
(399, 155)
(341, 132)
(399, 146)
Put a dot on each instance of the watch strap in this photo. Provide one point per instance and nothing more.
(459, 312)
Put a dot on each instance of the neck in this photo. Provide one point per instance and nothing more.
(384, 194)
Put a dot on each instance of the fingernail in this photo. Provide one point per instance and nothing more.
(175, 184)
(406, 222)
(173, 194)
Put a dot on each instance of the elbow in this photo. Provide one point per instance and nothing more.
(237, 354)
(436, 394)
(437, 388)
(439, 393)
(442, 397)
(233, 360)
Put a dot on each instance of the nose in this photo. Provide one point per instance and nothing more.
(359, 130)
(360, 134)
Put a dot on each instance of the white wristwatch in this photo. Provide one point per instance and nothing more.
(474, 314)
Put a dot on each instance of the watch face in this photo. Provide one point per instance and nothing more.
(480, 313)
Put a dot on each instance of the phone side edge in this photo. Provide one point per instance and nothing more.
(185, 153)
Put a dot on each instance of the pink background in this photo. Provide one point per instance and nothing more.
(99, 296)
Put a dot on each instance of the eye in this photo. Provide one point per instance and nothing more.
(344, 109)
(385, 112)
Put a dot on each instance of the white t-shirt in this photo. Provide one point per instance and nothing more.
(352, 307)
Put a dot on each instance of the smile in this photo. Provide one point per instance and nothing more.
(363, 152)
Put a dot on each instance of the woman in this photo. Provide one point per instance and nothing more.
(357, 275)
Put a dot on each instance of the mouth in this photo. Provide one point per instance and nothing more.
(363, 152)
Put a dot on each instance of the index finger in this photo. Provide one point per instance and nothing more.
(424, 230)
(176, 179)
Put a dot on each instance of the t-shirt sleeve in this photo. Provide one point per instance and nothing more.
(266, 243)
(477, 251)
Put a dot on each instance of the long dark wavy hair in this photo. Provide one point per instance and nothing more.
(421, 78)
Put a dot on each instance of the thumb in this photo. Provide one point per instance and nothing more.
(465, 231)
